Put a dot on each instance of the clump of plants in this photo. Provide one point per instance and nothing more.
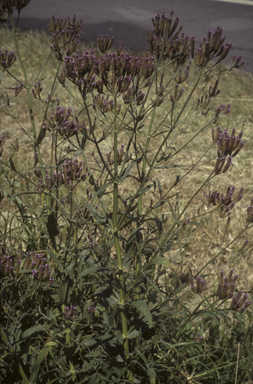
(93, 289)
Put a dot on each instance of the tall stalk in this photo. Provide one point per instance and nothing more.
(116, 241)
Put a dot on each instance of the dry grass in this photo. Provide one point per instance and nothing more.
(205, 242)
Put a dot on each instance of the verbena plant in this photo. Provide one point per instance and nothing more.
(92, 286)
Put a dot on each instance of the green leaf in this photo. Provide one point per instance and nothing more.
(172, 211)
(88, 271)
(64, 292)
(12, 165)
(88, 341)
(93, 211)
(4, 337)
(127, 171)
(159, 187)
(119, 337)
(44, 352)
(106, 319)
(159, 260)
(102, 189)
(133, 234)
(144, 189)
(133, 334)
(159, 204)
(152, 375)
(54, 257)
(142, 307)
(22, 373)
(32, 330)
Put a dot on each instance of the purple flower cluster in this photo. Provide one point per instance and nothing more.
(6, 265)
(19, 88)
(72, 171)
(227, 144)
(164, 41)
(226, 285)
(59, 120)
(226, 291)
(36, 262)
(240, 302)
(70, 312)
(91, 310)
(116, 73)
(225, 202)
(200, 285)
(199, 337)
(65, 36)
(7, 59)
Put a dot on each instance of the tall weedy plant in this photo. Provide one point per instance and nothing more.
(92, 286)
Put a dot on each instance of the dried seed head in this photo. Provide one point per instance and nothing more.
(60, 24)
(177, 94)
(212, 46)
(176, 50)
(163, 26)
(226, 285)
(2, 141)
(225, 203)
(65, 36)
(64, 43)
(36, 91)
(104, 104)
(220, 161)
(181, 77)
(236, 62)
(7, 7)
(7, 59)
(249, 218)
(104, 42)
(19, 88)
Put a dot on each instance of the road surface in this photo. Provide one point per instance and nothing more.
(129, 20)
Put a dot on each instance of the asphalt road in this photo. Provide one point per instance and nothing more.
(129, 20)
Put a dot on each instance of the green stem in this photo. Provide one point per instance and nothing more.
(116, 241)
(139, 206)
